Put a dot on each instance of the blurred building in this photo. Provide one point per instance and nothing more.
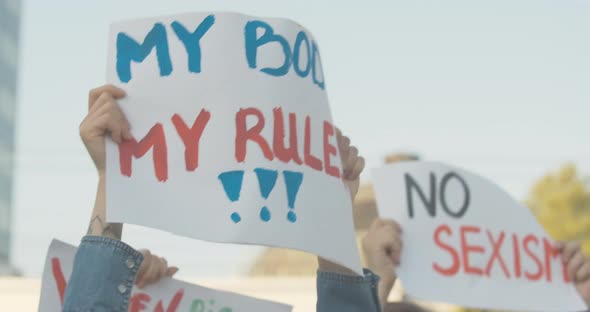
(9, 35)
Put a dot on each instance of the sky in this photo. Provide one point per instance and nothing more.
(500, 88)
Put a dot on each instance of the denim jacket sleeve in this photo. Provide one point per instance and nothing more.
(346, 293)
(103, 274)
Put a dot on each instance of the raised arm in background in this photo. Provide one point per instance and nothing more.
(382, 246)
(338, 288)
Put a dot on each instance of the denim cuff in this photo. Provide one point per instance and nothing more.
(115, 243)
(369, 278)
(347, 293)
(103, 275)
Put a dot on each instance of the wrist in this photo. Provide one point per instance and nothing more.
(385, 276)
(383, 293)
(386, 282)
(386, 272)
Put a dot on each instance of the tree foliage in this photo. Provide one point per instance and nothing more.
(561, 203)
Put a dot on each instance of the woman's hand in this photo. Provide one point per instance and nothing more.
(153, 269)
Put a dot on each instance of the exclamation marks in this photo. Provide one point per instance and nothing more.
(293, 182)
(232, 184)
(266, 180)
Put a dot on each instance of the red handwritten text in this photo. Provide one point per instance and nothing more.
(539, 250)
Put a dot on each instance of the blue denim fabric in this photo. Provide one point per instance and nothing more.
(346, 293)
(102, 276)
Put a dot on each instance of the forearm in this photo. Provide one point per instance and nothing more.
(103, 274)
(98, 225)
(385, 286)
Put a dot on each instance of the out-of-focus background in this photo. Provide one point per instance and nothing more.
(501, 88)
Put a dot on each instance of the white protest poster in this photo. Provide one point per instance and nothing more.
(467, 242)
(167, 295)
(234, 140)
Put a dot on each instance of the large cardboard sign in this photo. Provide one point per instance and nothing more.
(167, 295)
(234, 140)
(467, 242)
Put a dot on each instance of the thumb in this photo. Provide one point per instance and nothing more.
(171, 271)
